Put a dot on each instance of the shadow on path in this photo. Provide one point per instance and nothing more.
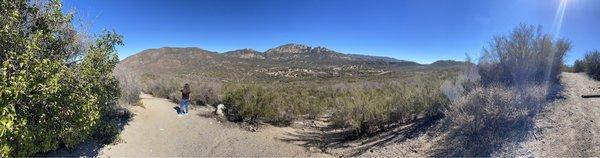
(177, 109)
(343, 142)
(110, 127)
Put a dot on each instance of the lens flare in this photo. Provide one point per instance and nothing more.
(557, 25)
(558, 17)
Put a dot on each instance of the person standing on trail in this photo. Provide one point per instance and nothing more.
(185, 100)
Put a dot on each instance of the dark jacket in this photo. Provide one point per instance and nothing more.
(185, 92)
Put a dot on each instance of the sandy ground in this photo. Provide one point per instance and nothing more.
(156, 130)
(569, 127)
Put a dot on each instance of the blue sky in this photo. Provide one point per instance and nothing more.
(419, 30)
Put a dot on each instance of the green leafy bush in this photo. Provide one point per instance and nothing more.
(54, 88)
(275, 105)
(592, 64)
(251, 103)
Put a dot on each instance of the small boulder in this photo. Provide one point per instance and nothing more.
(220, 111)
(252, 128)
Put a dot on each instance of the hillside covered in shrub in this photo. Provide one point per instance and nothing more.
(293, 81)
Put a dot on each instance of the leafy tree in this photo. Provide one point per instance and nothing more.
(53, 87)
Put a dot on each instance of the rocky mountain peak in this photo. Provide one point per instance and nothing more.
(245, 53)
(321, 50)
(290, 49)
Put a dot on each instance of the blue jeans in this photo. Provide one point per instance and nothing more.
(183, 106)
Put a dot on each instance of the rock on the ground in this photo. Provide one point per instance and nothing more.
(220, 110)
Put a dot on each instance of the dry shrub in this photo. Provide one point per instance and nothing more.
(175, 97)
(306, 102)
(365, 108)
(206, 93)
(579, 66)
(453, 90)
(525, 56)
(130, 85)
(592, 64)
(162, 87)
(369, 107)
(202, 91)
(487, 117)
(467, 79)
(518, 73)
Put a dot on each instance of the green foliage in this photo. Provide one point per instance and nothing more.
(362, 108)
(48, 97)
(251, 103)
(304, 101)
(365, 107)
(592, 64)
(275, 105)
(369, 107)
(96, 70)
(526, 55)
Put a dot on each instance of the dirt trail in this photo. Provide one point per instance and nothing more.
(569, 127)
(156, 130)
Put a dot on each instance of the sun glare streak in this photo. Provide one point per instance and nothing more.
(557, 25)
(558, 17)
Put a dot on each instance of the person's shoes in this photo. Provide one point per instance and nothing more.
(179, 115)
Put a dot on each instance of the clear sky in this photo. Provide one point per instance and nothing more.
(419, 30)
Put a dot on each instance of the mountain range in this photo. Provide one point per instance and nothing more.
(285, 62)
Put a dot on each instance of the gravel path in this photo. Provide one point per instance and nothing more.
(569, 127)
(156, 130)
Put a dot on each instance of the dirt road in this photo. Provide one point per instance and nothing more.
(569, 127)
(156, 130)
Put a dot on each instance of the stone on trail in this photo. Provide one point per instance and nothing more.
(220, 110)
